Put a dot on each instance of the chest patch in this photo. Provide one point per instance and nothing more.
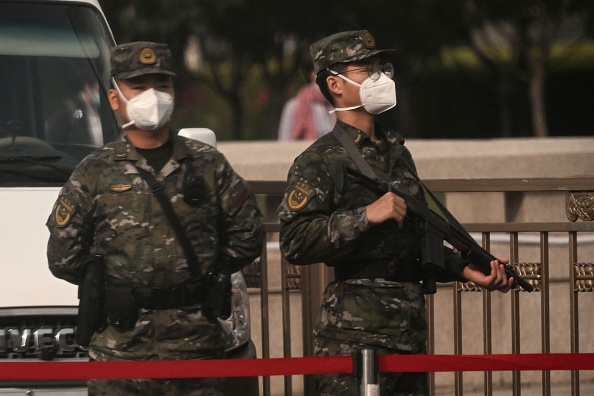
(121, 187)
(65, 208)
(300, 196)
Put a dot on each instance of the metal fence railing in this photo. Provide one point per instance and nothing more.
(555, 254)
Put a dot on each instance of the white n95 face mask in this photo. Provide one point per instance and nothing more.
(148, 110)
(376, 96)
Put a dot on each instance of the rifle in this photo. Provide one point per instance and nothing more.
(435, 230)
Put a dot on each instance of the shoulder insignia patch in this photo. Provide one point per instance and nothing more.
(121, 187)
(300, 196)
(64, 210)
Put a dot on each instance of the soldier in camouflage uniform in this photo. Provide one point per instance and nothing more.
(376, 300)
(107, 209)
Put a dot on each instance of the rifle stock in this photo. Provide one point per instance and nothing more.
(436, 230)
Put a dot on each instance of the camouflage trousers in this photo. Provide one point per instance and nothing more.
(166, 387)
(386, 316)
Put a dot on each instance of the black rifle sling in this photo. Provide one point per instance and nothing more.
(355, 154)
(158, 188)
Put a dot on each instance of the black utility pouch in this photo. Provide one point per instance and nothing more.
(91, 316)
(218, 296)
(196, 190)
(121, 307)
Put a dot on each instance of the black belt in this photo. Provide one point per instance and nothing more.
(182, 295)
(391, 270)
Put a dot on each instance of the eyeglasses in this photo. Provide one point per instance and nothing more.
(374, 71)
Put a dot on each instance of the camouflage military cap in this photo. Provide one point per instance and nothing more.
(344, 47)
(141, 57)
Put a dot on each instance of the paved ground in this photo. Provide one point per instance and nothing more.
(586, 389)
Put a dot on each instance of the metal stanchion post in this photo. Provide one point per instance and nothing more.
(366, 368)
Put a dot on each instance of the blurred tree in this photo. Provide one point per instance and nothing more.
(418, 30)
(153, 20)
(514, 40)
(233, 38)
(240, 37)
(238, 59)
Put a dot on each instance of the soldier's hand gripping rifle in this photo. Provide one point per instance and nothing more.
(435, 230)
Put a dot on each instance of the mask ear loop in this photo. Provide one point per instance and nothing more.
(115, 84)
(352, 82)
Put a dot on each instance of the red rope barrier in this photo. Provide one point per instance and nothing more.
(175, 368)
(513, 362)
(31, 371)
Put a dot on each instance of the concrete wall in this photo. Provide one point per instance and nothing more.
(439, 159)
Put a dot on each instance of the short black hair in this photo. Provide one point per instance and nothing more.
(323, 84)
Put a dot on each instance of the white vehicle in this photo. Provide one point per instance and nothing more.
(46, 47)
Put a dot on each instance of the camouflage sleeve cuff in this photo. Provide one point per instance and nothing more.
(348, 225)
(361, 215)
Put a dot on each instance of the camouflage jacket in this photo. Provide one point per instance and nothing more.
(323, 220)
(107, 209)
(323, 211)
